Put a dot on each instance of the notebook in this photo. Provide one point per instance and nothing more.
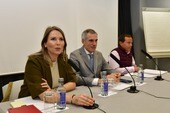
(24, 109)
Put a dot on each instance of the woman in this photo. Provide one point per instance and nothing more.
(45, 67)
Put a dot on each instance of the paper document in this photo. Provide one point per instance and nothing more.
(109, 94)
(17, 103)
(148, 73)
(155, 72)
(121, 86)
(38, 103)
(140, 84)
(133, 74)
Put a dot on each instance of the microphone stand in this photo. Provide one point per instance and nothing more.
(132, 88)
(158, 78)
(94, 106)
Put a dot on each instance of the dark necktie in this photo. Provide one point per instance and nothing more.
(91, 61)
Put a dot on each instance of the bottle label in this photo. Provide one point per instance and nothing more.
(62, 102)
(105, 87)
(142, 76)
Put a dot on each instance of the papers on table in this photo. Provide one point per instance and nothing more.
(37, 103)
(149, 73)
(154, 72)
(121, 86)
(109, 94)
(133, 74)
(17, 103)
(140, 84)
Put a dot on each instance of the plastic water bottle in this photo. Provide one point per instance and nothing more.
(61, 104)
(104, 84)
(141, 74)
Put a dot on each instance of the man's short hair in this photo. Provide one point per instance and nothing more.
(85, 32)
(122, 37)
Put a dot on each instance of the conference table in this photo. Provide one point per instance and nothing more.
(153, 97)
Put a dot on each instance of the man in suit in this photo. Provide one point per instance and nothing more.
(90, 61)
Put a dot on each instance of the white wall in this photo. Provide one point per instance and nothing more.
(23, 23)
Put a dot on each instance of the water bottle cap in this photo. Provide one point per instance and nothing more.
(141, 65)
(61, 80)
(104, 72)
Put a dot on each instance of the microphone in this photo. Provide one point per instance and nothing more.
(77, 69)
(148, 55)
(159, 78)
(132, 88)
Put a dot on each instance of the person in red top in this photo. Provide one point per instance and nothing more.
(124, 54)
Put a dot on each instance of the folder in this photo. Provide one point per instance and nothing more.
(25, 109)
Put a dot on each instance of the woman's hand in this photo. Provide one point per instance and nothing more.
(83, 100)
(44, 84)
(50, 96)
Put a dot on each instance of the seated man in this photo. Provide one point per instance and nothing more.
(124, 54)
(91, 66)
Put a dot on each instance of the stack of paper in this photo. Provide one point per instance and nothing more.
(121, 86)
(155, 72)
(149, 73)
(38, 104)
(110, 93)
(133, 74)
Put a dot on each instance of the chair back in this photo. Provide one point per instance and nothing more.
(11, 90)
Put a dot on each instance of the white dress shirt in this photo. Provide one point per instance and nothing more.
(114, 65)
(95, 80)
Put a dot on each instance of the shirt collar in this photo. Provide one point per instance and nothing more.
(87, 52)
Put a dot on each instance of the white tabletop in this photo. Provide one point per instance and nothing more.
(124, 102)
